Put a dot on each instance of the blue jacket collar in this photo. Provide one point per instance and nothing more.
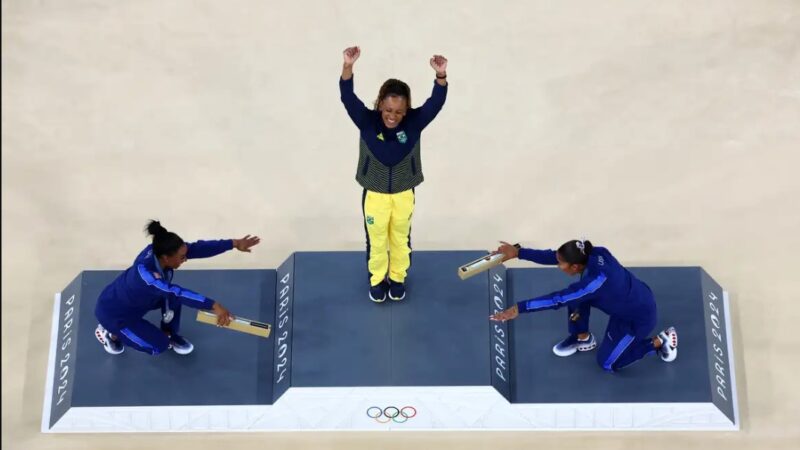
(158, 267)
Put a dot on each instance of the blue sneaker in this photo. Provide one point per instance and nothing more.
(397, 291)
(180, 344)
(377, 293)
(572, 344)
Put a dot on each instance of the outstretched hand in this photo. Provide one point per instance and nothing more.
(244, 244)
(506, 314)
(509, 251)
(224, 316)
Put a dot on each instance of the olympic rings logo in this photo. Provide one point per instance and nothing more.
(391, 414)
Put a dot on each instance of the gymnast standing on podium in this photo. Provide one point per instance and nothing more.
(389, 169)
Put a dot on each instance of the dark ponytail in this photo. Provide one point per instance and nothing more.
(164, 242)
(575, 251)
(394, 88)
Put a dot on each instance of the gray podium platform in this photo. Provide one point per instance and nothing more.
(333, 354)
(437, 336)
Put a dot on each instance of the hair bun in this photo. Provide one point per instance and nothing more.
(154, 228)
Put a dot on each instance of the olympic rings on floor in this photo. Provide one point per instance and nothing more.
(405, 414)
(394, 419)
(391, 414)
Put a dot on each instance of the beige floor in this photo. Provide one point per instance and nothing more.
(667, 131)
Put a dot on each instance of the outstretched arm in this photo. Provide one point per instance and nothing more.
(578, 292)
(174, 292)
(544, 257)
(583, 290)
(207, 249)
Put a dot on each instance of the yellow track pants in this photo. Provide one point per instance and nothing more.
(387, 219)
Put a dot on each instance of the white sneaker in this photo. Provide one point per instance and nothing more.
(669, 344)
(572, 344)
(180, 344)
(111, 346)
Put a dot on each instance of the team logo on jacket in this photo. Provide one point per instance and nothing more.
(380, 136)
(402, 137)
(370, 220)
(157, 275)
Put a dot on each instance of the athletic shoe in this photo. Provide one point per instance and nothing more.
(572, 344)
(397, 291)
(112, 346)
(377, 293)
(180, 344)
(669, 344)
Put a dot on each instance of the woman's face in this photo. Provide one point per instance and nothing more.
(393, 109)
(567, 268)
(174, 260)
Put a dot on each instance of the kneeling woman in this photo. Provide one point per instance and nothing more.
(147, 285)
(608, 286)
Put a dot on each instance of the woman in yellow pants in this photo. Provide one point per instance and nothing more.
(389, 168)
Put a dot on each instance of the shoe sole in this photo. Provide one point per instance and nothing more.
(111, 352)
(666, 337)
(397, 299)
(579, 348)
(566, 353)
(99, 335)
(183, 352)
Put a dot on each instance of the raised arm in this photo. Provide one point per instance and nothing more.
(425, 114)
(354, 106)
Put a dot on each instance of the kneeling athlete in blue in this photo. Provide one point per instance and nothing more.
(608, 286)
(147, 285)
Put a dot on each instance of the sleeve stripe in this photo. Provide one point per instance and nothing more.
(150, 280)
(590, 288)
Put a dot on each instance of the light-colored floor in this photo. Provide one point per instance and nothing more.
(666, 131)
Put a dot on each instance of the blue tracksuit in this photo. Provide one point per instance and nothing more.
(608, 286)
(146, 286)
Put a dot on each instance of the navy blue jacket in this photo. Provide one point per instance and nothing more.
(605, 284)
(144, 285)
(383, 142)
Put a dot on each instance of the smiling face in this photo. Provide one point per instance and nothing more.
(393, 108)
